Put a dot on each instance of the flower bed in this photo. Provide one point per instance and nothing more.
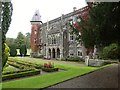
(49, 67)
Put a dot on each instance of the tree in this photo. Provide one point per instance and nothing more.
(27, 40)
(23, 50)
(105, 19)
(102, 27)
(10, 41)
(13, 51)
(20, 40)
(6, 20)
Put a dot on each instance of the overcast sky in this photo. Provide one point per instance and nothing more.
(23, 10)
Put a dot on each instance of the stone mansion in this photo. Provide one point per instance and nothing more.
(53, 39)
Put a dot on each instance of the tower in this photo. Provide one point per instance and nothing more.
(35, 40)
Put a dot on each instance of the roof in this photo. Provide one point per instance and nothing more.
(36, 17)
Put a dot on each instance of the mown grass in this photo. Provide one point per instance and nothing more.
(46, 80)
(28, 52)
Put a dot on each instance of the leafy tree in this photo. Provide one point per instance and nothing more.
(13, 51)
(6, 14)
(105, 19)
(10, 41)
(20, 40)
(102, 27)
(27, 40)
(23, 50)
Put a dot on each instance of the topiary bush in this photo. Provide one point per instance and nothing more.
(23, 50)
(6, 54)
(13, 51)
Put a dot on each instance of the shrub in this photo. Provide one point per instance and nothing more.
(13, 51)
(38, 56)
(73, 59)
(6, 54)
(48, 65)
(23, 50)
(19, 75)
(24, 65)
(50, 69)
(18, 71)
(111, 52)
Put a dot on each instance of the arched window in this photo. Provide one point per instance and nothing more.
(71, 37)
(79, 53)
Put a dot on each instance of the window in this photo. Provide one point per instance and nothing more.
(54, 40)
(71, 54)
(49, 41)
(71, 37)
(79, 53)
(36, 14)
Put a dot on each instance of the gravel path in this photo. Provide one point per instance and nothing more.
(104, 78)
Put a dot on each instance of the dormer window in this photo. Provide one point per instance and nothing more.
(36, 14)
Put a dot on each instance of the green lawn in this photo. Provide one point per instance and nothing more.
(28, 52)
(46, 80)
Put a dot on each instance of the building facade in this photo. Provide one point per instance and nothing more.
(55, 38)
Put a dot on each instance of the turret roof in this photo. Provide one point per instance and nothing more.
(36, 17)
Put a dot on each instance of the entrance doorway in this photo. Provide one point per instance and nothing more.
(49, 53)
(53, 53)
(58, 53)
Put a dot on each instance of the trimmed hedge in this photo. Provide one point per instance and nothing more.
(14, 64)
(19, 75)
(24, 65)
(37, 66)
(50, 69)
(75, 59)
(38, 56)
(18, 71)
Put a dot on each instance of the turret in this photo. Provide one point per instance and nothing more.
(35, 39)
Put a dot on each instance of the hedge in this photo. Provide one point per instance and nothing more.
(24, 65)
(17, 65)
(37, 66)
(19, 75)
(76, 59)
(49, 69)
(18, 71)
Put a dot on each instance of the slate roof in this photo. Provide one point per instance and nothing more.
(36, 17)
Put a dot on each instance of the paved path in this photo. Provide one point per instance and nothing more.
(104, 78)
